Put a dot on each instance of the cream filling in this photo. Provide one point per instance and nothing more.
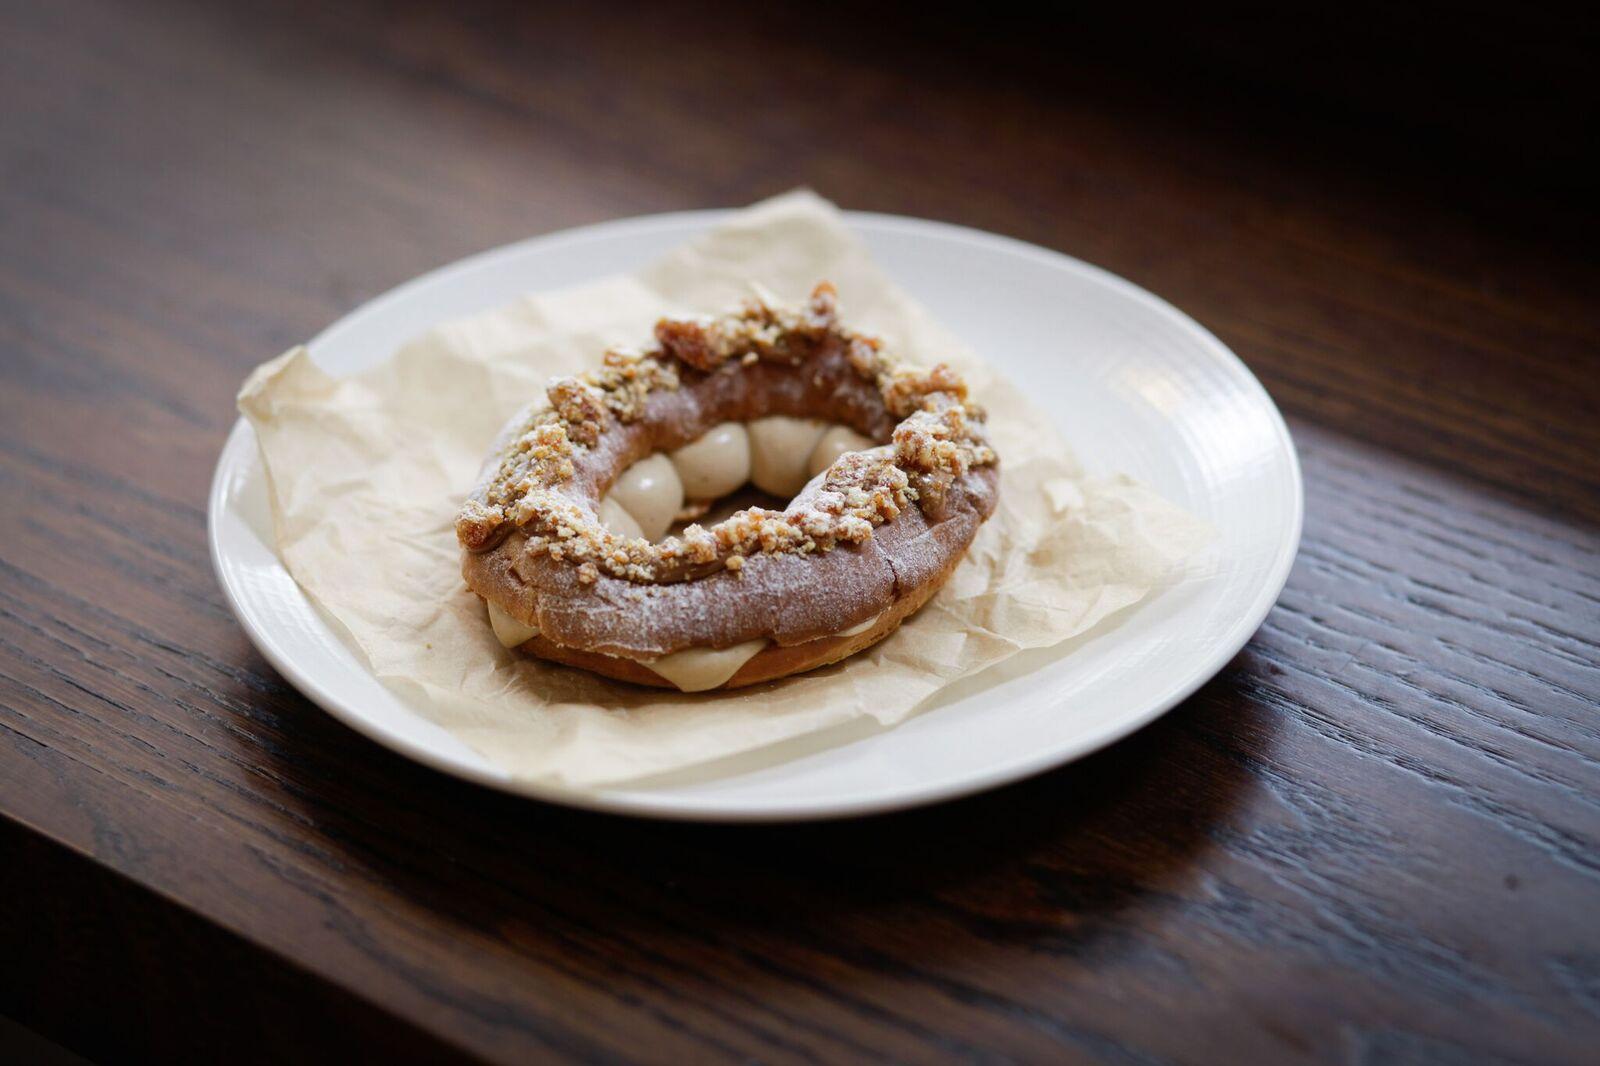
(508, 630)
(859, 628)
(651, 492)
(716, 464)
(699, 669)
(834, 443)
(691, 670)
(616, 518)
(777, 454)
(780, 449)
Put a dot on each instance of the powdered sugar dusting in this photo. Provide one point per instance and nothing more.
(537, 486)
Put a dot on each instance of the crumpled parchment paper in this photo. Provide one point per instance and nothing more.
(366, 474)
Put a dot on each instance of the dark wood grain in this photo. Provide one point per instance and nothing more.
(1374, 837)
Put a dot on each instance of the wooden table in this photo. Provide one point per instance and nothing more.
(1374, 837)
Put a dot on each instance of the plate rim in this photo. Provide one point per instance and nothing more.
(660, 804)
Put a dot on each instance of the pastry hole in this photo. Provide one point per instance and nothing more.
(727, 506)
(733, 466)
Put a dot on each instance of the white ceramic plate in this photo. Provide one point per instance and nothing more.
(1137, 387)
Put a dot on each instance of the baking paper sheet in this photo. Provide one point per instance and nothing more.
(367, 472)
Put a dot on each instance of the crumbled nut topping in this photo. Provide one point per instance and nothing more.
(581, 408)
(626, 380)
(541, 455)
(939, 439)
(757, 332)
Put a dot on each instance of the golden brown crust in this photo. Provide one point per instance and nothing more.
(771, 663)
(873, 536)
(789, 599)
